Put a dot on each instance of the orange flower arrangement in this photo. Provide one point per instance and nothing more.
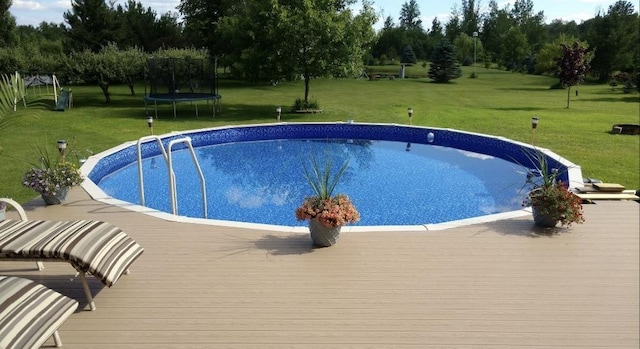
(331, 212)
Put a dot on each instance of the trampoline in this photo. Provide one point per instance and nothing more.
(181, 97)
(176, 80)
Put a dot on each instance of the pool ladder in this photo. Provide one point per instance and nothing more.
(167, 156)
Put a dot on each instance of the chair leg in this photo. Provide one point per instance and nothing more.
(56, 339)
(40, 265)
(87, 291)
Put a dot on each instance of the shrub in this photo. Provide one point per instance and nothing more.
(301, 104)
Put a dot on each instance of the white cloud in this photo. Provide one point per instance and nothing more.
(26, 5)
(475, 155)
(255, 197)
(159, 6)
(54, 6)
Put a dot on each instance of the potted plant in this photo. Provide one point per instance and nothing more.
(326, 213)
(52, 178)
(551, 200)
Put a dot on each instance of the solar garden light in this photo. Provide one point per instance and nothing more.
(410, 112)
(534, 125)
(62, 146)
(278, 112)
(150, 124)
(475, 44)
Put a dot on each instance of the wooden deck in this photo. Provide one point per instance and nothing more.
(505, 284)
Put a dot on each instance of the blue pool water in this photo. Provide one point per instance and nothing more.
(391, 183)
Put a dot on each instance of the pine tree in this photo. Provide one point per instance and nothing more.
(408, 56)
(444, 66)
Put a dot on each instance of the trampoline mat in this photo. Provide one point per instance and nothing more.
(180, 97)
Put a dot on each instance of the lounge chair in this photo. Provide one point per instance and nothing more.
(91, 247)
(30, 313)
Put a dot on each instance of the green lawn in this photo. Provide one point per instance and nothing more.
(497, 103)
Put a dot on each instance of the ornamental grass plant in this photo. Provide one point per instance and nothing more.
(52, 174)
(551, 197)
(330, 211)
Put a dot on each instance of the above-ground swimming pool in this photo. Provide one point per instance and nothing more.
(397, 176)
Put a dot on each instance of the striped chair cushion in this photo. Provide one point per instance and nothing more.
(93, 247)
(30, 313)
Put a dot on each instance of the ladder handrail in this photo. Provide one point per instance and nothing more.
(139, 155)
(172, 181)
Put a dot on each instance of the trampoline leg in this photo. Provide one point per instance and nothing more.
(174, 109)
(155, 107)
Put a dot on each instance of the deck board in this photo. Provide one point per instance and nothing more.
(504, 284)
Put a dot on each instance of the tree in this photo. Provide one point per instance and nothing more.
(137, 25)
(470, 17)
(168, 33)
(202, 22)
(7, 24)
(436, 30)
(515, 49)
(92, 25)
(464, 45)
(453, 28)
(389, 41)
(408, 56)
(410, 15)
(443, 63)
(292, 39)
(530, 24)
(495, 25)
(573, 65)
(558, 27)
(435, 35)
(615, 36)
(547, 56)
(109, 66)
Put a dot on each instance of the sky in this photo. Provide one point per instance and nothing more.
(33, 12)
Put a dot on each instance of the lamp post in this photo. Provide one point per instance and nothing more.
(410, 112)
(150, 124)
(475, 50)
(534, 125)
(62, 146)
(278, 113)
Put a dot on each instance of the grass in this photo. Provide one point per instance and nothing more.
(496, 103)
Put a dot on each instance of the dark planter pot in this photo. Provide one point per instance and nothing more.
(57, 198)
(323, 236)
(543, 220)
